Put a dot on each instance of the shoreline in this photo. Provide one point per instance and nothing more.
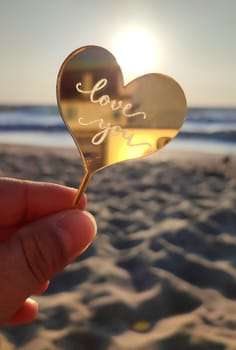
(169, 151)
(184, 157)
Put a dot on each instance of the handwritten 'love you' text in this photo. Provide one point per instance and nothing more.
(106, 128)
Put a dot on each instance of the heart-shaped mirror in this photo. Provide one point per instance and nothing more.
(110, 122)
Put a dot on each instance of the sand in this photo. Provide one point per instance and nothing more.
(161, 274)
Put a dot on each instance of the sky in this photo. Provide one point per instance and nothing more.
(193, 41)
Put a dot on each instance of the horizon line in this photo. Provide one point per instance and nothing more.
(30, 104)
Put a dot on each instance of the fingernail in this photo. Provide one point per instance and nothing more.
(76, 230)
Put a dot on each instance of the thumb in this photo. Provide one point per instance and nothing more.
(37, 252)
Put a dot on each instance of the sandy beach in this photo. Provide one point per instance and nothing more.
(161, 273)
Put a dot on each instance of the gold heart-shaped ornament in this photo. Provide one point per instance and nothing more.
(110, 122)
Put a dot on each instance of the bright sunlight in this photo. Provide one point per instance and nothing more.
(137, 53)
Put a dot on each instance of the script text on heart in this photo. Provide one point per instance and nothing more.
(107, 128)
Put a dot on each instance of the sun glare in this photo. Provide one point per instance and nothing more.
(136, 52)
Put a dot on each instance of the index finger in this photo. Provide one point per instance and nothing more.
(23, 201)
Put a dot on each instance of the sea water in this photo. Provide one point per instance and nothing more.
(205, 129)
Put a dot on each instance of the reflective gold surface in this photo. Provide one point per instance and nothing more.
(110, 122)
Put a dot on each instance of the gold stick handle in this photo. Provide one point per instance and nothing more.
(81, 189)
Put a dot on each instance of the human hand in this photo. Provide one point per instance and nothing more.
(39, 235)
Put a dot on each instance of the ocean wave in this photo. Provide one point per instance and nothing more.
(227, 136)
(212, 115)
(29, 109)
(201, 123)
(35, 126)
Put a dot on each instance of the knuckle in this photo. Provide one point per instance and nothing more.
(42, 255)
(34, 258)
